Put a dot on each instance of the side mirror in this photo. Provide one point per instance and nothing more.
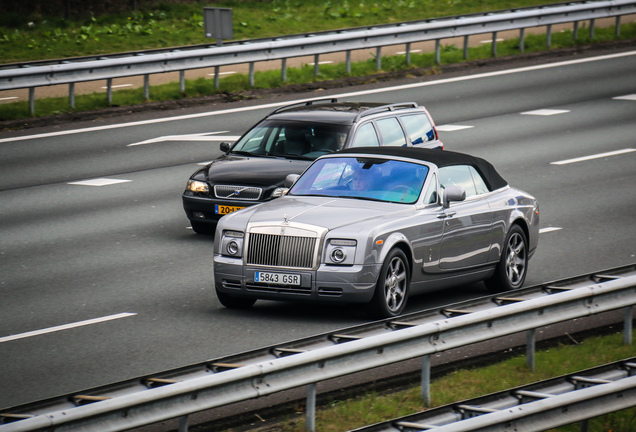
(291, 179)
(453, 193)
(225, 146)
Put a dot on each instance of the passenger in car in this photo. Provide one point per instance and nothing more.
(362, 180)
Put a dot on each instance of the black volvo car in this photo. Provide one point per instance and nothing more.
(253, 169)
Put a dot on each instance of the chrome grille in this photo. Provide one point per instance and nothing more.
(247, 193)
(281, 250)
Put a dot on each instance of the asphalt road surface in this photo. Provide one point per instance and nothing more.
(101, 278)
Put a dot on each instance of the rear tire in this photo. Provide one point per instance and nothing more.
(391, 291)
(232, 302)
(513, 265)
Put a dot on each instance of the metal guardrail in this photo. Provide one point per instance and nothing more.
(412, 336)
(250, 52)
(540, 406)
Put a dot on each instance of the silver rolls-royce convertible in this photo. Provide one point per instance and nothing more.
(374, 226)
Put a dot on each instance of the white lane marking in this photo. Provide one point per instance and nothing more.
(9, 98)
(412, 51)
(548, 229)
(99, 182)
(452, 128)
(631, 97)
(596, 156)
(66, 326)
(205, 136)
(119, 85)
(342, 95)
(490, 41)
(545, 112)
(322, 62)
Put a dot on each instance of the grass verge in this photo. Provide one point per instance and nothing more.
(343, 415)
(234, 86)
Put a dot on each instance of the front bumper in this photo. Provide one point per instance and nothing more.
(337, 284)
(206, 210)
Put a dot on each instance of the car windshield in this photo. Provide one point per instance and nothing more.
(363, 178)
(293, 139)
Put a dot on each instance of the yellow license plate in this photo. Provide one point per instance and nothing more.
(221, 209)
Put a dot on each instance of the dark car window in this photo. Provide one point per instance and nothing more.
(465, 176)
(290, 138)
(391, 131)
(366, 137)
(419, 128)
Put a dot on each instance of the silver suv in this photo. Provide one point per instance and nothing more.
(253, 170)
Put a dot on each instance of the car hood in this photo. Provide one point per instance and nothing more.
(326, 212)
(257, 171)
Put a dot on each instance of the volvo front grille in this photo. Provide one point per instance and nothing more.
(247, 193)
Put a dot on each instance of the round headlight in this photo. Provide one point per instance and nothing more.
(232, 247)
(338, 255)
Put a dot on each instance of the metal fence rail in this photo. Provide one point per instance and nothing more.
(297, 368)
(548, 404)
(251, 52)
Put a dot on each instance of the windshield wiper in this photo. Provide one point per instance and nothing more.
(242, 152)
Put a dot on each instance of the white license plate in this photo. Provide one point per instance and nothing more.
(277, 278)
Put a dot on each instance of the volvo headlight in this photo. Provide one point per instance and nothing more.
(279, 192)
(197, 186)
(232, 243)
(340, 251)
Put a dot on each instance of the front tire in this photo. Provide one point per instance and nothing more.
(391, 291)
(203, 228)
(513, 265)
(232, 302)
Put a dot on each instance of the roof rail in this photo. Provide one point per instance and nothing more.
(308, 103)
(389, 107)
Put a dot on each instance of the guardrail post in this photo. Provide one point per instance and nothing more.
(575, 31)
(585, 426)
(548, 35)
(466, 47)
(283, 70)
(183, 423)
(251, 74)
(182, 81)
(348, 61)
(618, 26)
(378, 58)
(32, 100)
(71, 94)
(592, 22)
(425, 390)
(109, 91)
(316, 65)
(408, 53)
(530, 348)
(627, 326)
(146, 87)
(493, 47)
(216, 77)
(522, 40)
(310, 409)
(437, 55)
